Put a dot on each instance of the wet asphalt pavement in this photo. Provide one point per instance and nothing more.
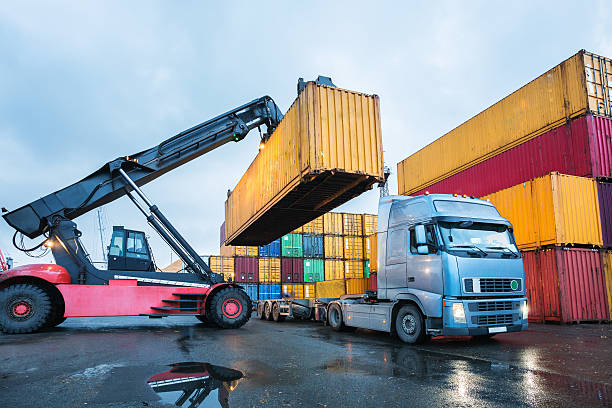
(120, 362)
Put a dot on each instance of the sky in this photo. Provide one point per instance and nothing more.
(82, 83)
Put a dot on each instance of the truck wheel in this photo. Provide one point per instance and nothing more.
(260, 310)
(56, 317)
(409, 325)
(229, 308)
(24, 308)
(207, 322)
(276, 316)
(334, 317)
(268, 311)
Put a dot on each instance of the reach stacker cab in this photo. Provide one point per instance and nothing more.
(447, 265)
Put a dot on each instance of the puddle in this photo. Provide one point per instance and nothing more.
(195, 384)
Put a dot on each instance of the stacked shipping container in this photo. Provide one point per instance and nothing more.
(543, 156)
(331, 254)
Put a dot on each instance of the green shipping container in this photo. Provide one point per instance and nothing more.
(313, 270)
(292, 245)
(366, 269)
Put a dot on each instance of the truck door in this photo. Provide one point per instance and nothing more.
(137, 256)
(397, 246)
(116, 251)
(424, 271)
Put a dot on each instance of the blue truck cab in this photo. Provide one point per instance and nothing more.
(447, 265)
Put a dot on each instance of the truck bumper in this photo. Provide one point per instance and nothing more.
(478, 331)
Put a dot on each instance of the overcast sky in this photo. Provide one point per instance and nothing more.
(82, 83)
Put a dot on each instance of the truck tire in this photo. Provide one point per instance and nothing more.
(229, 308)
(276, 316)
(334, 317)
(260, 310)
(56, 317)
(268, 311)
(409, 325)
(207, 322)
(24, 308)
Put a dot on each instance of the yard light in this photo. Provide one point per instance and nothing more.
(458, 313)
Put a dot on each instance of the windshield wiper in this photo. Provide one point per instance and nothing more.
(506, 248)
(471, 246)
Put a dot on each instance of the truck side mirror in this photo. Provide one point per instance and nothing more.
(423, 250)
(421, 239)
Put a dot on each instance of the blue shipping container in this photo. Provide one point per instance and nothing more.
(251, 290)
(313, 246)
(269, 291)
(273, 249)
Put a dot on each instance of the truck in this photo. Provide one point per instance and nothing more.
(448, 265)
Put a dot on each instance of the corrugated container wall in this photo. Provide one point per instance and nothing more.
(313, 246)
(552, 210)
(246, 269)
(331, 288)
(353, 269)
(292, 270)
(227, 250)
(353, 247)
(370, 224)
(334, 246)
(566, 285)
(352, 224)
(332, 223)
(607, 262)
(223, 265)
(582, 147)
(269, 270)
(222, 234)
(326, 150)
(313, 270)
(370, 251)
(291, 245)
(567, 91)
(269, 291)
(271, 249)
(247, 250)
(604, 194)
(298, 290)
(251, 290)
(334, 269)
(356, 286)
(314, 227)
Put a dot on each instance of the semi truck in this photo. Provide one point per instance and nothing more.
(448, 265)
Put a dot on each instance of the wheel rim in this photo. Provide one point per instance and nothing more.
(409, 324)
(231, 308)
(20, 309)
(334, 317)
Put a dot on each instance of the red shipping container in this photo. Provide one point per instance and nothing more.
(292, 270)
(604, 193)
(373, 281)
(565, 285)
(582, 147)
(222, 234)
(246, 269)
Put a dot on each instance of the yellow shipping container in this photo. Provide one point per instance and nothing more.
(555, 209)
(329, 136)
(356, 286)
(227, 250)
(353, 247)
(334, 269)
(569, 90)
(223, 265)
(331, 288)
(269, 270)
(607, 258)
(314, 227)
(370, 251)
(247, 250)
(334, 246)
(298, 230)
(352, 224)
(370, 224)
(353, 269)
(332, 223)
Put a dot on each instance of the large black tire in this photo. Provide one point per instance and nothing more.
(24, 308)
(268, 311)
(409, 325)
(260, 310)
(276, 316)
(229, 308)
(58, 309)
(207, 322)
(334, 317)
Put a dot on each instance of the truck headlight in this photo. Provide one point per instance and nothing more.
(525, 310)
(458, 313)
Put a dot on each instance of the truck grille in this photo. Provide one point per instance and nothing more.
(491, 320)
(493, 306)
(499, 285)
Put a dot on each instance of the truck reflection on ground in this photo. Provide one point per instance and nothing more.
(190, 384)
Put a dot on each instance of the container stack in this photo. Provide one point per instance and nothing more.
(543, 156)
(329, 256)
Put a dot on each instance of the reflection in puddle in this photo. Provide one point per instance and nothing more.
(191, 384)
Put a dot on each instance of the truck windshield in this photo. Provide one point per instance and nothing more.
(481, 235)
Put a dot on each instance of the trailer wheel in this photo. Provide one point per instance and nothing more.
(229, 308)
(260, 310)
(276, 316)
(24, 308)
(334, 317)
(268, 311)
(409, 325)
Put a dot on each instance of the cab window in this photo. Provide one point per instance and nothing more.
(430, 234)
(396, 246)
(136, 246)
(116, 246)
